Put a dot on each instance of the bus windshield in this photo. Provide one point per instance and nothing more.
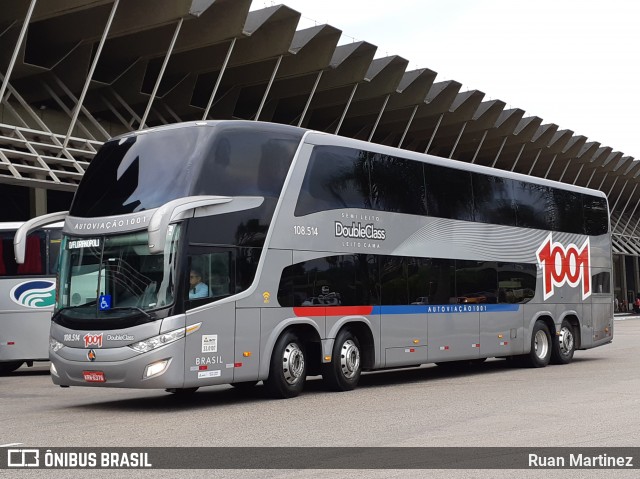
(107, 276)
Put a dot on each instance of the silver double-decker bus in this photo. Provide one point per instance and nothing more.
(27, 296)
(222, 252)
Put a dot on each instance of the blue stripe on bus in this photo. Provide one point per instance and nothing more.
(445, 308)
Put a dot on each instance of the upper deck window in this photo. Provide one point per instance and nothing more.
(139, 172)
(339, 177)
(145, 171)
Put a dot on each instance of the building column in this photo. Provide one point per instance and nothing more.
(623, 278)
(636, 277)
(37, 202)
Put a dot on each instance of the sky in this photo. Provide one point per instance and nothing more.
(573, 63)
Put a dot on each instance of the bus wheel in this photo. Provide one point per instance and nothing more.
(541, 346)
(565, 346)
(288, 369)
(9, 367)
(343, 372)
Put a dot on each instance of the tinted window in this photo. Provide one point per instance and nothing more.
(212, 273)
(393, 280)
(223, 271)
(601, 282)
(349, 280)
(145, 171)
(34, 260)
(596, 217)
(567, 208)
(249, 163)
(55, 238)
(246, 266)
(493, 200)
(516, 282)
(397, 185)
(421, 286)
(335, 178)
(449, 193)
(476, 282)
(240, 228)
(434, 279)
(140, 172)
(347, 178)
(531, 202)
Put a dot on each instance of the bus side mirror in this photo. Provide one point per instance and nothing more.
(196, 206)
(20, 238)
(171, 211)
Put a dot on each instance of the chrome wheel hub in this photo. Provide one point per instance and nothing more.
(349, 359)
(566, 340)
(541, 344)
(292, 363)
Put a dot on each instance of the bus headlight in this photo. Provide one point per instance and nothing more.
(54, 345)
(163, 339)
(157, 341)
(157, 368)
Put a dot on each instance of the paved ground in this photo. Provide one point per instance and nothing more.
(593, 401)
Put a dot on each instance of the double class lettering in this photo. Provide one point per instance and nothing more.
(358, 231)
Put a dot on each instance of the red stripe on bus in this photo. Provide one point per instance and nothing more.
(332, 310)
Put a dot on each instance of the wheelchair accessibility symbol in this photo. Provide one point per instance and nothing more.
(104, 302)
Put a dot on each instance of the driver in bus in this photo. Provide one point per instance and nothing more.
(197, 289)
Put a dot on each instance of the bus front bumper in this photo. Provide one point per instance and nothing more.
(161, 368)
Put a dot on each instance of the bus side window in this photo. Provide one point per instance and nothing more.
(55, 239)
(335, 178)
(213, 269)
(33, 259)
(3, 268)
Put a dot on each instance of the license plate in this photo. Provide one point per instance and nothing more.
(93, 376)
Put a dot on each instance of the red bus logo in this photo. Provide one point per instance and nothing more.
(560, 265)
(93, 340)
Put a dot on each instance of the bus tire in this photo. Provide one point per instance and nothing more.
(288, 368)
(9, 367)
(345, 368)
(565, 344)
(541, 345)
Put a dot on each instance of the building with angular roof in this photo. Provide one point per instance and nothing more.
(75, 72)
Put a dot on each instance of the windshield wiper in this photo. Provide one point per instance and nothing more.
(67, 308)
(121, 308)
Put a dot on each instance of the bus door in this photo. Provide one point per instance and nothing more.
(601, 326)
(502, 320)
(209, 354)
(501, 330)
(454, 316)
(403, 311)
